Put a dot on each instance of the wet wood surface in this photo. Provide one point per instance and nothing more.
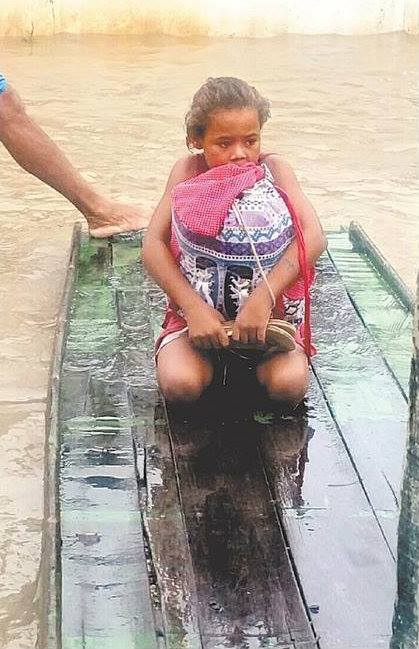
(229, 523)
(405, 621)
(367, 405)
(383, 309)
(247, 592)
(105, 583)
(344, 565)
(164, 525)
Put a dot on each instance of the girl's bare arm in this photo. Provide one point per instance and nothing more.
(287, 270)
(252, 320)
(157, 256)
(204, 322)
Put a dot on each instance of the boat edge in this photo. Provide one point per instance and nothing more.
(48, 594)
(363, 244)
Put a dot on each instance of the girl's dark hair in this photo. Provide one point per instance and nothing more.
(221, 92)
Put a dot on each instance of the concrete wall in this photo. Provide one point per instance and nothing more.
(213, 18)
(411, 16)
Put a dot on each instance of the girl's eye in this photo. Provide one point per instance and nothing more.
(251, 142)
(223, 145)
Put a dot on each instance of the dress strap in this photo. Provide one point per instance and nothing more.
(305, 271)
(268, 172)
(256, 256)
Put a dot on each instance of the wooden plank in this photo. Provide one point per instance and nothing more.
(105, 577)
(164, 523)
(405, 621)
(74, 384)
(49, 585)
(169, 563)
(387, 319)
(92, 336)
(170, 566)
(105, 581)
(343, 563)
(367, 405)
(363, 244)
(246, 588)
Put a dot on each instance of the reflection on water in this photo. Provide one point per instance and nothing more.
(344, 114)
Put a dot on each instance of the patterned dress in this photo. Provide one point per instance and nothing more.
(223, 269)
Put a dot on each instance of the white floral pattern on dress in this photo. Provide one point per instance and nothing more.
(294, 310)
(240, 288)
(202, 282)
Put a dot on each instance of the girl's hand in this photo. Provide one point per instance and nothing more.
(252, 319)
(205, 328)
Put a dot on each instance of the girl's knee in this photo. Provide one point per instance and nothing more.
(289, 388)
(287, 391)
(185, 387)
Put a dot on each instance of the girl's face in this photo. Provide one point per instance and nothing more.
(232, 136)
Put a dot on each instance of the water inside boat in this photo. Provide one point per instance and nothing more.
(229, 523)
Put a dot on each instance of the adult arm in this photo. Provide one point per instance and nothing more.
(252, 320)
(35, 152)
(204, 322)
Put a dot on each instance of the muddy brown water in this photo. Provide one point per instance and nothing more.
(344, 114)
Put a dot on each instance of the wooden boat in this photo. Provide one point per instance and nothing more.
(229, 524)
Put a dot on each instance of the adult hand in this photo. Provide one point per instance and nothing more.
(111, 217)
(205, 328)
(252, 319)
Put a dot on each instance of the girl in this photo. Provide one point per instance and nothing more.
(229, 218)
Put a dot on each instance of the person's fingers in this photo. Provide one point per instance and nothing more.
(236, 332)
(220, 339)
(213, 341)
(252, 336)
(249, 335)
(261, 335)
(223, 339)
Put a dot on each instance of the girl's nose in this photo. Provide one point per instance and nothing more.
(238, 153)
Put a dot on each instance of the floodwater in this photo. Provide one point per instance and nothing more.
(344, 113)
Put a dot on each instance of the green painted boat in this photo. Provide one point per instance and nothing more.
(230, 523)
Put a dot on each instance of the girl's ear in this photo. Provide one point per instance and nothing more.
(197, 143)
(194, 144)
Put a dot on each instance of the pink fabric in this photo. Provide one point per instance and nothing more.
(202, 203)
(172, 322)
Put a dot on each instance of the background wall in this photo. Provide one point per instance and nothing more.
(23, 18)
